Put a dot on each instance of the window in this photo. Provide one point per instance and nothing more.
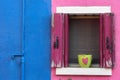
(82, 34)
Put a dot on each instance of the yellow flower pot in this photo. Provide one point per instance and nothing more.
(85, 60)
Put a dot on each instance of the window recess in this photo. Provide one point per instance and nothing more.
(82, 34)
(83, 38)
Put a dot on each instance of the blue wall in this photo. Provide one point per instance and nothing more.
(37, 39)
(34, 43)
(10, 39)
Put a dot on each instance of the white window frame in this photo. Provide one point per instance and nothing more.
(84, 71)
(83, 10)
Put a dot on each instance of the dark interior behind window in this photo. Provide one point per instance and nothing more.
(84, 38)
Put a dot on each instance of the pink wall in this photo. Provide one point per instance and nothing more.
(115, 9)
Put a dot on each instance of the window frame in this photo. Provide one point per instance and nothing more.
(83, 10)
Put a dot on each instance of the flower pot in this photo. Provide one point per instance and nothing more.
(85, 60)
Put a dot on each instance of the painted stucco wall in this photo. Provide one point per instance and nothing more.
(115, 9)
(37, 16)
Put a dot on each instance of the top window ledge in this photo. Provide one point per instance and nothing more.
(83, 9)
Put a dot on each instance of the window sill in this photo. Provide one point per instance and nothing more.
(84, 71)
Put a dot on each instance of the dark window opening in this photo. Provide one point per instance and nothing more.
(84, 37)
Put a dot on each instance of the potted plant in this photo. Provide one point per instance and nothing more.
(85, 60)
